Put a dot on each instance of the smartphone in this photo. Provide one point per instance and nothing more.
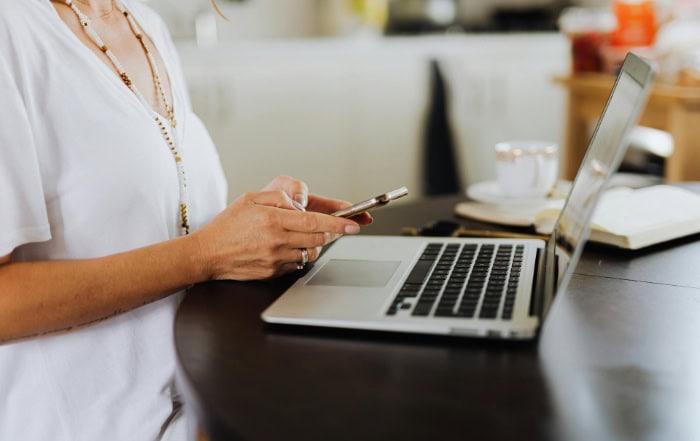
(376, 201)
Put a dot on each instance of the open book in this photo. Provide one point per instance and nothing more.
(625, 218)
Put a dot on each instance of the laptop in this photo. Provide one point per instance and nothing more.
(472, 287)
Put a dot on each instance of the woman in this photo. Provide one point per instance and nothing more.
(113, 201)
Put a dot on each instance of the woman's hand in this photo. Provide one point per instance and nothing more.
(261, 235)
(298, 191)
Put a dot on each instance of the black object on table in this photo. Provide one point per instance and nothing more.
(618, 359)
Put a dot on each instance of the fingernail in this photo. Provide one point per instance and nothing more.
(302, 199)
(352, 229)
(298, 206)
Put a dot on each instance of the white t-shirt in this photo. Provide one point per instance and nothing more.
(85, 172)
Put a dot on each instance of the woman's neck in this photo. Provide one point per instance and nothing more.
(95, 7)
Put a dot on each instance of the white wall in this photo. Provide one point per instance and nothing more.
(346, 120)
(347, 115)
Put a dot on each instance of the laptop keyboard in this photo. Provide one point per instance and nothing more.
(462, 280)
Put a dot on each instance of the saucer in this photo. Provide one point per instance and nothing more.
(490, 192)
(517, 216)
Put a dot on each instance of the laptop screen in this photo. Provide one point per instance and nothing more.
(605, 151)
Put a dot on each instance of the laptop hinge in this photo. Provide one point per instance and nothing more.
(546, 279)
(550, 270)
(535, 298)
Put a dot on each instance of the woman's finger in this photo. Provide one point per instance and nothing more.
(295, 189)
(326, 205)
(295, 256)
(302, 194)
(310, 240)
(310, 222)
(277, 199)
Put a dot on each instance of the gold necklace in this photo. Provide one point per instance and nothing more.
(168, 134)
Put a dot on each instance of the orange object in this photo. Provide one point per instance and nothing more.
(636, 23)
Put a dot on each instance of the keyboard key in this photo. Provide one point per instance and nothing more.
(420, 271)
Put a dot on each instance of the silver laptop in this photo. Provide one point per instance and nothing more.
(474, 287)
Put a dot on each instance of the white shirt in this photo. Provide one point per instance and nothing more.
(85, 172)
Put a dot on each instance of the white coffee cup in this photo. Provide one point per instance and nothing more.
(527, 169)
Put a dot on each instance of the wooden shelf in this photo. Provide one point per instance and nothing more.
(675, 109)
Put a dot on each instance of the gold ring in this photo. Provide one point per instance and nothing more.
(304, 258)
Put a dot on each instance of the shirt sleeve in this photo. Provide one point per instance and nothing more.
(24, 216)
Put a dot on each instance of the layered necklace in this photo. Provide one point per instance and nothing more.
(169, 133)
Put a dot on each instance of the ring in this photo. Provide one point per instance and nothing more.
(304, 258)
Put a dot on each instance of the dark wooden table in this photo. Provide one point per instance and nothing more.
(618, 358)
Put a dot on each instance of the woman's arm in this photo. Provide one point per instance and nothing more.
(258, 236)
(43, 297)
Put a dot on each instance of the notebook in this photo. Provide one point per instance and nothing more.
(474, 287)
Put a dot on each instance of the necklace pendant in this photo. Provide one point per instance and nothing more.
(173, 123)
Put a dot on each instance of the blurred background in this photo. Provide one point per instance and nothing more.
(359, 96)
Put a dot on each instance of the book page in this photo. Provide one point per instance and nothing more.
(625, 211)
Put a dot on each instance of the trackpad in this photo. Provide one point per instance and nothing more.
(344, 272)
